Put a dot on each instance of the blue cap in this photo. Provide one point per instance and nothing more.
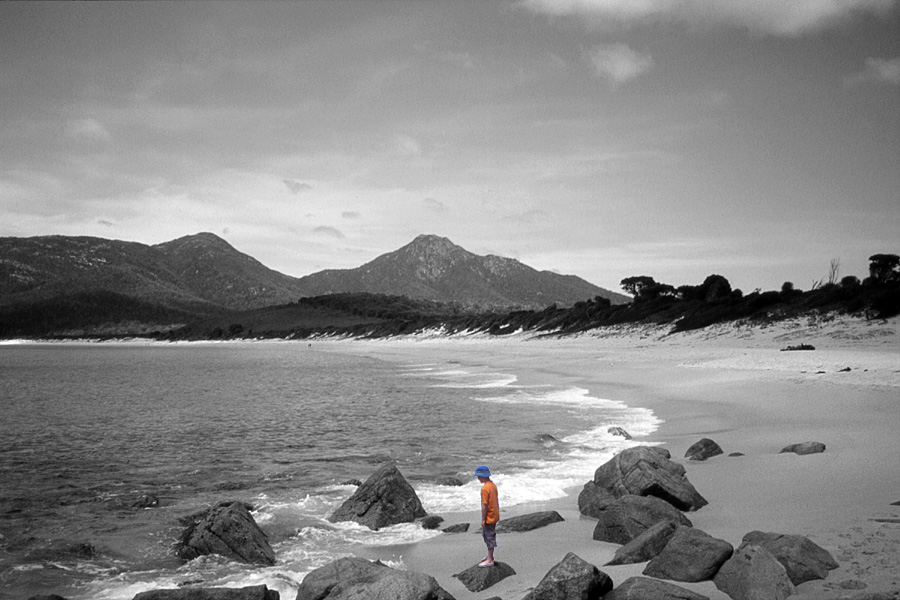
(482, 471)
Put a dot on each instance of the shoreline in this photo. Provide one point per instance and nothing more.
(745, 394)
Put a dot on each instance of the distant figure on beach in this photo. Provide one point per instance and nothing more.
(490, 513)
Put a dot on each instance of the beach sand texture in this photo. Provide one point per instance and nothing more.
(735, 385)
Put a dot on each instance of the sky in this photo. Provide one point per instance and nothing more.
(755, 139)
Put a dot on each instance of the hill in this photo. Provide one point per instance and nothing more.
(434, 268)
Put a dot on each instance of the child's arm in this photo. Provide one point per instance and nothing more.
(484, 510)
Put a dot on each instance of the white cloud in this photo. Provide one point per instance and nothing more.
(775, 17)
(90, 129)
(878, 70)
(329, 231)
(619, 63)
(297, 186)
(435, 205)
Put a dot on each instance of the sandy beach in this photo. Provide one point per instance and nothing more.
(735, 385)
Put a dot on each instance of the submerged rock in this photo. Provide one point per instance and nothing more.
(573, 577)
(458, 528)
(691, 555)
(804, 448)
(529, 521)
(803, 559)
(384, 499)
(357, 578)
(703, 449)
(622, 520)
(477, 578)
(642, 471)
(753, 573)
(643, 588)
(645, 546)
(619, 432)
(227, 529)
(256, 592)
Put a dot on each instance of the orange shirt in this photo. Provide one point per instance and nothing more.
(489, 497)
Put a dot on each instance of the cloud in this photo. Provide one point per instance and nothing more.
(772, 17)
(329, 231)
(297, 187)
(350, 214)
(619, 63)
(105, 223)
(878, 70)
(90, 129)
(435, 205)
(407, 145)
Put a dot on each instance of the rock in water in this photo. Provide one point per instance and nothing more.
(529, 521)
(803, 559)
(645, 546)
(642, 588)
(477, 578)
(386, 498)
(691, 555)
(804, 448)
(642, 471)
(256, 592)
(753, 573)
(619, 432)
(703, 449)
(357, 578)
(573, 577)
(621, 520)
(227, 529)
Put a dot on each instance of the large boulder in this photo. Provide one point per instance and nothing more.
(691, 555)
(642, 471)
(227, 529)
(355, 578)
(256, 592)
(703, 449)
(384, 499)
(529, 521)
(621, 520)
(803, 559)
(804, 448)
(645, 546)
(642, 588)
(477, 578)
(573, 577)
(753, 573)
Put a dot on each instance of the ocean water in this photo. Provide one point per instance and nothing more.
(88, 430)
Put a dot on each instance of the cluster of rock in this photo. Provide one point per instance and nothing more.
(639, 498)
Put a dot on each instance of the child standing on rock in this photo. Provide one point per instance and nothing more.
(490, 513)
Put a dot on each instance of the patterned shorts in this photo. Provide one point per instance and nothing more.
(489, 533)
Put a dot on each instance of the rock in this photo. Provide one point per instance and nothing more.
(458, 528)
(47, 597)
(355, 482)
(691, 555)
(642, 471)
(705, 448)
(803, 559)
(573, 577)
(645, 546)
(620, 521)
(452, 481)
(256, 592)
(852, 584)
(642, 588)
(384, 499)
(529, 521)
(804, 448)
(477, 578)
(431, 522)
(753, 573)
(146, 501)
(619, 432)
(227, 529)
(736, 454)
(357, 578)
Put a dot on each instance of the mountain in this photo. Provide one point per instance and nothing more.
(76, 285)
(434, 268)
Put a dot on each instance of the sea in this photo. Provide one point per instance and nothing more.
(105, 446)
